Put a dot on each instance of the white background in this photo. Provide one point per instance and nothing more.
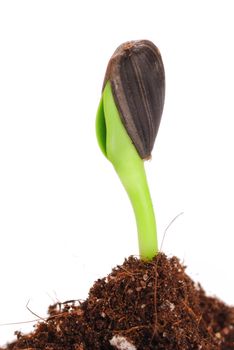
(65, 219)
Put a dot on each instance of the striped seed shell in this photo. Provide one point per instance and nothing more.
(137, 78)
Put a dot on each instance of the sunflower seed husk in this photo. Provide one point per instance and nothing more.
(137, 78)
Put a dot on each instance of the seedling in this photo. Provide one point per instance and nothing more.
(123, 312)
(127, 123)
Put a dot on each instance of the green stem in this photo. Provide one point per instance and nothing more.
(119, 149)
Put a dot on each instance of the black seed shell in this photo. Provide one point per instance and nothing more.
(137, 78)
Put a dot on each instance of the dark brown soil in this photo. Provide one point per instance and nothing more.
(150, 305)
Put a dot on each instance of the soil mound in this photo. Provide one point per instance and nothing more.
(138, 306)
